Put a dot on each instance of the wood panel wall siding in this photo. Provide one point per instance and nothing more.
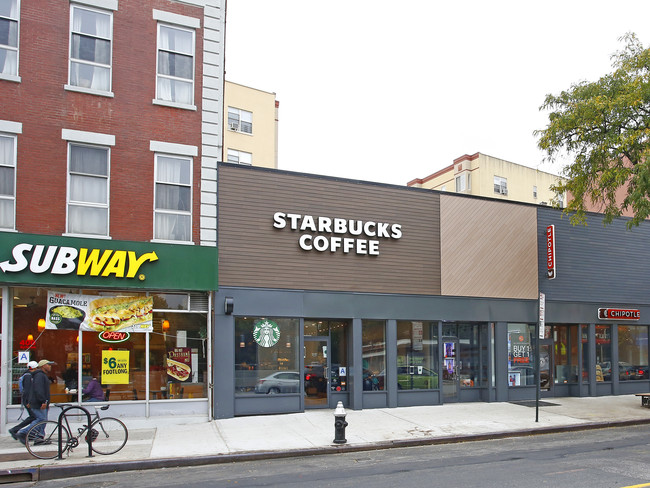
(252, 253)
(487, 248)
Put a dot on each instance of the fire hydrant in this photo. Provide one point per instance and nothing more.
(339, 424)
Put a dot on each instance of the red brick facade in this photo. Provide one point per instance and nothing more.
(40, 102)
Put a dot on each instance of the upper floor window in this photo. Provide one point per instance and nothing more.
(91, 33)
(88, 187)
(239, 157)
(9, 37)
(7, 181)
(500, 185)
(175, 79)
(462, 182)
(534, 192)
(240, 120)
(173, 198)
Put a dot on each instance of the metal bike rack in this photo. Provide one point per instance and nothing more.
(89, 437)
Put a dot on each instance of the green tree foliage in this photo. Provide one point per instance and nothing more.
(604, 128)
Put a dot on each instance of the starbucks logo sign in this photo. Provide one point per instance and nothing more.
(266, 333)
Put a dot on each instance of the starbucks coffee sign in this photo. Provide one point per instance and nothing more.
(266, 333)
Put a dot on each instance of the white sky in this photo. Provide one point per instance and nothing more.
(389, 91)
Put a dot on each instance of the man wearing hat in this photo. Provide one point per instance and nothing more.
(39, 397)
(25, 384)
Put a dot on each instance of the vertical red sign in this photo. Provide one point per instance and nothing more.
(550, 252)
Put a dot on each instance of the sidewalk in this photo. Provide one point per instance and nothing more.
(183, 441)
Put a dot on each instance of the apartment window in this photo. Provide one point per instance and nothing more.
(239, 157)
(175, 80)
(9, 37)
(88, 186)
(91, 33)
(500, 185)
(240, 120)
(462, 182)
(534, 192)
(173, 198)
(7, 181)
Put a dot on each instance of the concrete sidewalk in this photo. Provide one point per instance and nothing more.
(183, 441)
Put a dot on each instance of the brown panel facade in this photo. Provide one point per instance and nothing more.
(255, 253)
(488, 248)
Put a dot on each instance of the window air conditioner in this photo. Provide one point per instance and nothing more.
(234, 126)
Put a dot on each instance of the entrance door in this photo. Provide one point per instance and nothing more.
(316, 372)
(450, 378)
(545, 365)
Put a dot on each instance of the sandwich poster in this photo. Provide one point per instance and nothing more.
(99, 314)
(179, 362)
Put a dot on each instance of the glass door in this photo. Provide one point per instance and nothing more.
(545, 365)
(450, 369)
(316, 372)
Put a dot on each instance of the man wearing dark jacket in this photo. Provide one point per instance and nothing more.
(39, 398)
(25, 387)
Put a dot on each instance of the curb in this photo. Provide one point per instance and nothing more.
(43, 473)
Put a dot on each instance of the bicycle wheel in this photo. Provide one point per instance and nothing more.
(108, 435)
(43, 439)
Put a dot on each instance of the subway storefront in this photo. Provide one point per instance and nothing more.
(134, 315)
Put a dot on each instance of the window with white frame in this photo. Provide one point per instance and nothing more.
(7, 181)
(534, 192)
(462, 182)
(239, 157)
(91, 34)
(88, 189)
(500, 185)
(9, 37)
(173, 198)
(175, 79)
(240, 120)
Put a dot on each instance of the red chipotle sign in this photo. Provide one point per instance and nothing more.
(618, 314)
(550, 252)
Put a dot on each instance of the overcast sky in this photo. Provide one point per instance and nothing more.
(389, 91)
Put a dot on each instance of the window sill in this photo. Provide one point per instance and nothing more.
(164, 241)
(14, 78)
(88, 91)
(2, 229)
(87, 236)
(166, 103)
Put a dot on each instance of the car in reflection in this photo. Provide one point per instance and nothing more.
(280, 382)
(315, 381)
(416, 378)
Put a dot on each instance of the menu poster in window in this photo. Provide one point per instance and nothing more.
(99, 314)
(179, 363)
(115, 367)
(520, 348)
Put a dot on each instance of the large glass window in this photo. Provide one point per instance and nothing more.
(7, 181)
(603, 353)
(88, 190)
(91, 33)
(565, 343)
(521, 355)
(267, 356)
(373, 343)
(173, 197)
(175, 80)
(9, 37)
(585, 352)
(417, 355)
(632, 352)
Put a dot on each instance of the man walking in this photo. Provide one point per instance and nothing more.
(25, 384)
(39, 397)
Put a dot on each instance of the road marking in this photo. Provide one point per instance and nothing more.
(636, 486)
(570, 471)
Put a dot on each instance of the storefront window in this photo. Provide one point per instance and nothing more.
(471, 356)
(585, 352)
(565, 343)
(373, 342)
(417, 355)
(521, 355)
(267, 355)
(632, 352)
(603, 353)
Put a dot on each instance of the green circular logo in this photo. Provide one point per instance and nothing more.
(266, 333)
(55, 318)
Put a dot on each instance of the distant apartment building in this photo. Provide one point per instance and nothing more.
(487, 176)
(250, 126)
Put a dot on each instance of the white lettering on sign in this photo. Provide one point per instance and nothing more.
(314, 228)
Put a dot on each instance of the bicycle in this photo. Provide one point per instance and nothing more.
(108, 434)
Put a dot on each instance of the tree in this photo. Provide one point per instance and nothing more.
(604, 127)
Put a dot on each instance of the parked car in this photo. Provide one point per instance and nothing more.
(280, 382)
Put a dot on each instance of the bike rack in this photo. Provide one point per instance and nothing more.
(89, 437)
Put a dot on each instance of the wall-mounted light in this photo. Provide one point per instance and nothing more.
(41, 325)
(229, 305)
(30, 337)
(165, 325)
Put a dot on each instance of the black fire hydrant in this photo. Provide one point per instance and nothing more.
(339, 424)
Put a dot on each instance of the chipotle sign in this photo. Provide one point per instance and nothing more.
(619, 314)
(550, 252)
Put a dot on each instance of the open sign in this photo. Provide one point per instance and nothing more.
(114, 336)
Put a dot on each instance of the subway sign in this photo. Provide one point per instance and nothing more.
(618, 314)
(78, 262)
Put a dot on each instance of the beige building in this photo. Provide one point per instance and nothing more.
(483, 175)
(250, 133)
